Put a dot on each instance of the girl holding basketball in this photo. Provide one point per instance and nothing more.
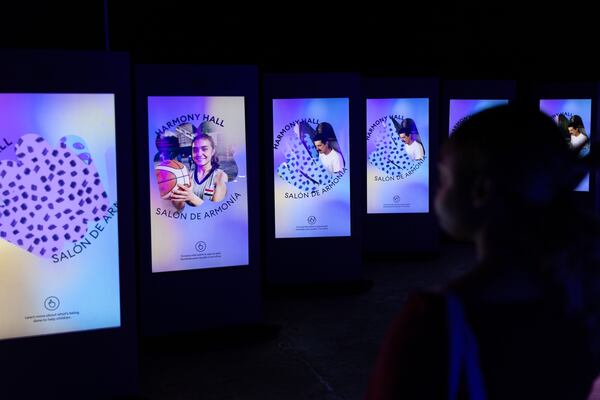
(208, 182)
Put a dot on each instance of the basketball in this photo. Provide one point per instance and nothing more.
(169, 174)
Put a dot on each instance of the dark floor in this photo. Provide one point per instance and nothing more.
(325, 347)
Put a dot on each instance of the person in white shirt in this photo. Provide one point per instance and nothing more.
(414, 149)
(331, 159)
(579, 140)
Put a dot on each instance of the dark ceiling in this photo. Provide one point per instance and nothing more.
(487, 41)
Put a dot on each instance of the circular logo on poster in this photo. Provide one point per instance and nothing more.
(51, 303)
(200, 246)
(396, 199)
(312, 220)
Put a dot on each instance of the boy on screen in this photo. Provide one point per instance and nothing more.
(331, 159)
(414, 149)
(579, 140)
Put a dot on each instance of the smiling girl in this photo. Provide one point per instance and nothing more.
(208, 181)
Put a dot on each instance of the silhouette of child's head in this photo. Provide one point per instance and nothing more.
(503, 164)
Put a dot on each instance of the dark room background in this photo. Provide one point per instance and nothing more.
(452, 41)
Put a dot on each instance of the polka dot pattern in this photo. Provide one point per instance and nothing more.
(303, 169)
(48, 196)
(390, 154)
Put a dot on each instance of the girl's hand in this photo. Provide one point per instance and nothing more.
(185, 194)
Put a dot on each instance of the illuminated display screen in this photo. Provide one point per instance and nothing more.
(397, 156)
(574, 118)
(198, 188)
(59, 256)
(461, 110)
(311, 152)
